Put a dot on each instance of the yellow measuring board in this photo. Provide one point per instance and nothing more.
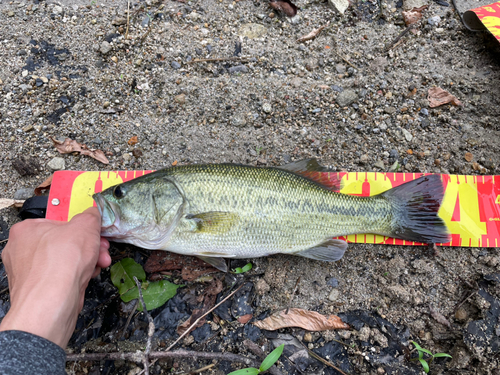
(470, 208)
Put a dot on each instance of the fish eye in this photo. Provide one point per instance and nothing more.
(118, 192)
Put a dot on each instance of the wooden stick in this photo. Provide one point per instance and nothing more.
(151, 327)
(181, 353)
(129, 318)
(128, 19)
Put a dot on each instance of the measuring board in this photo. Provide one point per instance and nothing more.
(470, 207)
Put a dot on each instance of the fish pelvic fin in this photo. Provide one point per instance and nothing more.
(415, 210)
(214, 222)
(312, 170)
(218, 263)
(329, 251)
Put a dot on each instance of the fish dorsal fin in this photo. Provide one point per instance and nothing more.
(218, 263)
(214, 222)
(312, 170)
(328, 251)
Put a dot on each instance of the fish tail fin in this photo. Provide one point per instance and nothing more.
(415, 210)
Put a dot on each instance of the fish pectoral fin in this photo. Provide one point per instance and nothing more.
(330, 251)
(214, 222)
(312, 170)
(218, 263)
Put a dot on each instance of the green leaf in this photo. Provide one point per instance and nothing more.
(155, 294)
(426, 351)
(437, 355)
(416, 345)
(245, 371)
(245, 268)
(271, 358)
(122, 274)
(425, 365)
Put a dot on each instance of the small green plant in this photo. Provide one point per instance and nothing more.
(427, 362)
(264, 366)
(247, 267)
(258, 149)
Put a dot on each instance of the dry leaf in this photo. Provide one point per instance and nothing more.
(413, 16)
(192, 267)
(210, 296)
(133, 140)
(310, 320)
(44, 185)
(69, 146)
(285, 6)
(313, 34)
(437, 96)
(468, 156)
(6, 202)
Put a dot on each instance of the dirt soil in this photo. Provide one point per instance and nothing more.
(67, 70)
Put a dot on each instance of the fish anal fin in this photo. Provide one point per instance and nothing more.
(218, 263)
(214, 222)
(329, 251)
(312, 170)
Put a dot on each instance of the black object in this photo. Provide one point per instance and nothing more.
(34, 208)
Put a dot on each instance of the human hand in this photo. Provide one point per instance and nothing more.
(49, 265)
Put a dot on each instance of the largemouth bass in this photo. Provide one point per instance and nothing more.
(233, 211)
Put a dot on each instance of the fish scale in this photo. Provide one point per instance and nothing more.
(235, 211)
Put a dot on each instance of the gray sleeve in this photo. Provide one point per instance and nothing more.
(24, 353)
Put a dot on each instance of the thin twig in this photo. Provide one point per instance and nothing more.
(147, 33)
(201, 317)
(4, 240)
(218, 59)
(198, 370)
(322, 360)
(151, 327)
(181, 353)
(128, 19)
(291, 297)
(152, 363)
(345, 60)
(402, 34)
(5, 290)
(129, 318)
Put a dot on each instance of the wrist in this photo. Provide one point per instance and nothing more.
(50, 314)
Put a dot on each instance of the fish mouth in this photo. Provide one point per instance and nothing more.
(110, 218)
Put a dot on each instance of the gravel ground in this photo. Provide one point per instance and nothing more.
(67, 70)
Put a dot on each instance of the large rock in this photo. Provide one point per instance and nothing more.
(56, 164)
(105, 48)
(252, 30)
(347, 97)
(23, 194)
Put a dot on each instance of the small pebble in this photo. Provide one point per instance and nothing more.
(334, 295)
(175, 65)
(266, 107)
(56, 164)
